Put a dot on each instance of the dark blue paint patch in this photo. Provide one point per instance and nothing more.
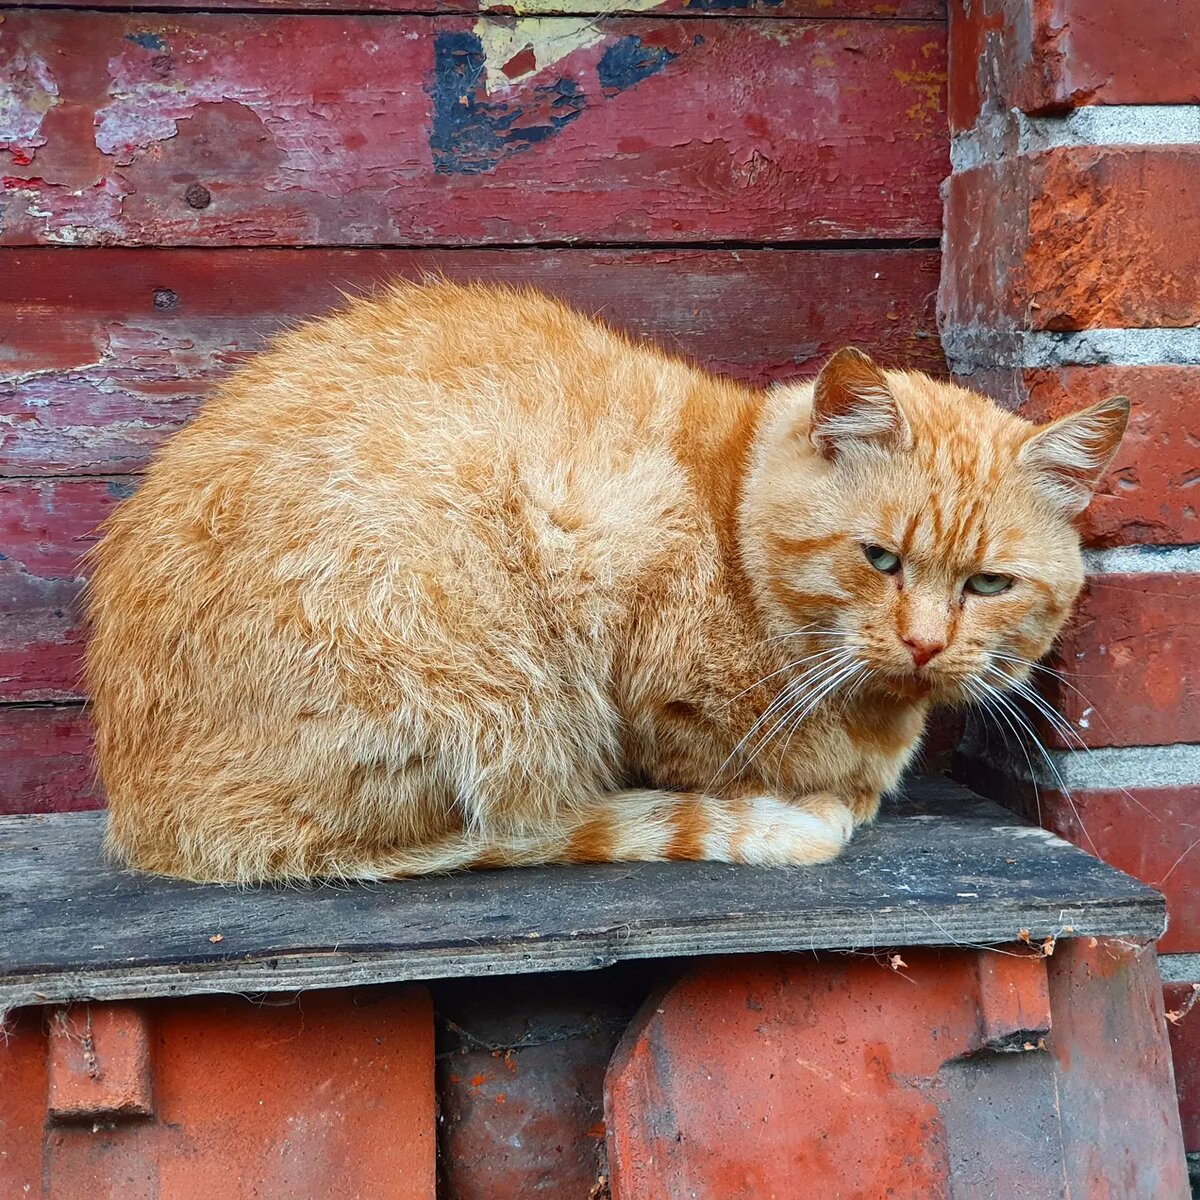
(470, 133)
(628, 62)
(147, 41)
(120, 491)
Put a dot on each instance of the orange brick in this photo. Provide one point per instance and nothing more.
(1046, 55)
(1088, 237)
(836, 1076)
(330, 1094)
(99, 1063)
(1132, 655)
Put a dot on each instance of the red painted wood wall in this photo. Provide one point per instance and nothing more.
(750, 182)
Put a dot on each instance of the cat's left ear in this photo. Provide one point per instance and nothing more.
(853, 406)
(1069, 456)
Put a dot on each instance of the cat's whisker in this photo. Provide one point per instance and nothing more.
(782, 699)
(1066, 731)
(988, 709)
(1019, 718)
(802, 710)
(1059, 676)
(851, 683)
(787, 667)
(796, 695)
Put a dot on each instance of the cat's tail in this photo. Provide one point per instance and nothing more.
(641, 826)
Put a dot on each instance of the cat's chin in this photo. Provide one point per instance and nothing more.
(913, 689)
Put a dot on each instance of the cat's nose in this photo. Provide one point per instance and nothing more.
(923, 651)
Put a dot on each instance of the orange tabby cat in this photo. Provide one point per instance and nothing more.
(458, 577)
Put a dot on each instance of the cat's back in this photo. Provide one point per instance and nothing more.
(427, 366)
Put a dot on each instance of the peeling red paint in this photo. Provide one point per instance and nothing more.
(323, 129)
(106, 353)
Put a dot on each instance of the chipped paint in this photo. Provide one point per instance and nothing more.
(628, 61)
(471, 134)
(550, 40)
(28, 91)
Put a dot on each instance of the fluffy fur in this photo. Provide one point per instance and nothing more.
(459, 577)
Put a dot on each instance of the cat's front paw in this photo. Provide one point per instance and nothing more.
(776, 833)
(864, 807)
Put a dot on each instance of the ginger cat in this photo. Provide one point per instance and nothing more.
(458, 577)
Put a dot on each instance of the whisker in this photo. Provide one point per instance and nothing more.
(1017, 715)
(782, 699)
(989, 709)
(831, 670)
(1066, 731)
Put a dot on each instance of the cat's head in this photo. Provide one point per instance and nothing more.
(925, 531)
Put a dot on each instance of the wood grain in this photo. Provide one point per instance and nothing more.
(47, 755)
(221, 129)
(106, 352)
(828, 10)
(943, 867)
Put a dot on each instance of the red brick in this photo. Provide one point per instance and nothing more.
(1150, 833)
(1088, 237)
(1121, 1138)
(1047, 55)
(99, 1063)
(1151, 494)
(1132, 655)
(521, 1066)
(22, 1103)
(1183, 1016)
(330, 1095)
(862, 1077)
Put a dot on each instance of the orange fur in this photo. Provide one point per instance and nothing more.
(459, 577)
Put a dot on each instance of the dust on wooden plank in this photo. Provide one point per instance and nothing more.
(222, 129)
(941, 867)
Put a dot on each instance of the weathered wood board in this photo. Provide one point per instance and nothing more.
(105, 352)
(46, 759)
(941, 868)
(827, 10)
(223, 129)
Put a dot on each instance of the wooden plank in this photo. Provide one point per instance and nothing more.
(45, 527)
(103, 353)
(47, 755)
(943, 867)
(853, 10)
(222, 129)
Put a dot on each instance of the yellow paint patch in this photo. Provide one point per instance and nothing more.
(551, 39)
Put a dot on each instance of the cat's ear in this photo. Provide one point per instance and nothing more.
(1069, 456)
(853, 405)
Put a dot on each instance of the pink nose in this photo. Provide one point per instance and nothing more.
(923, 651)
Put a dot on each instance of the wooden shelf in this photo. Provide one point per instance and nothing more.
(941, 867)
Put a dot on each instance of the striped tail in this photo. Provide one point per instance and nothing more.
(642, 826)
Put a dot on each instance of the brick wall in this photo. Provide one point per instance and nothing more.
(1071, 254)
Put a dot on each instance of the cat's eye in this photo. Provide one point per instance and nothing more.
(989, 585)
(882, 560)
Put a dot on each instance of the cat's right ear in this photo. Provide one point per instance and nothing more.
(853, 405)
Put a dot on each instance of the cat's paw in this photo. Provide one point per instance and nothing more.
(864, 807)
(775, 833)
